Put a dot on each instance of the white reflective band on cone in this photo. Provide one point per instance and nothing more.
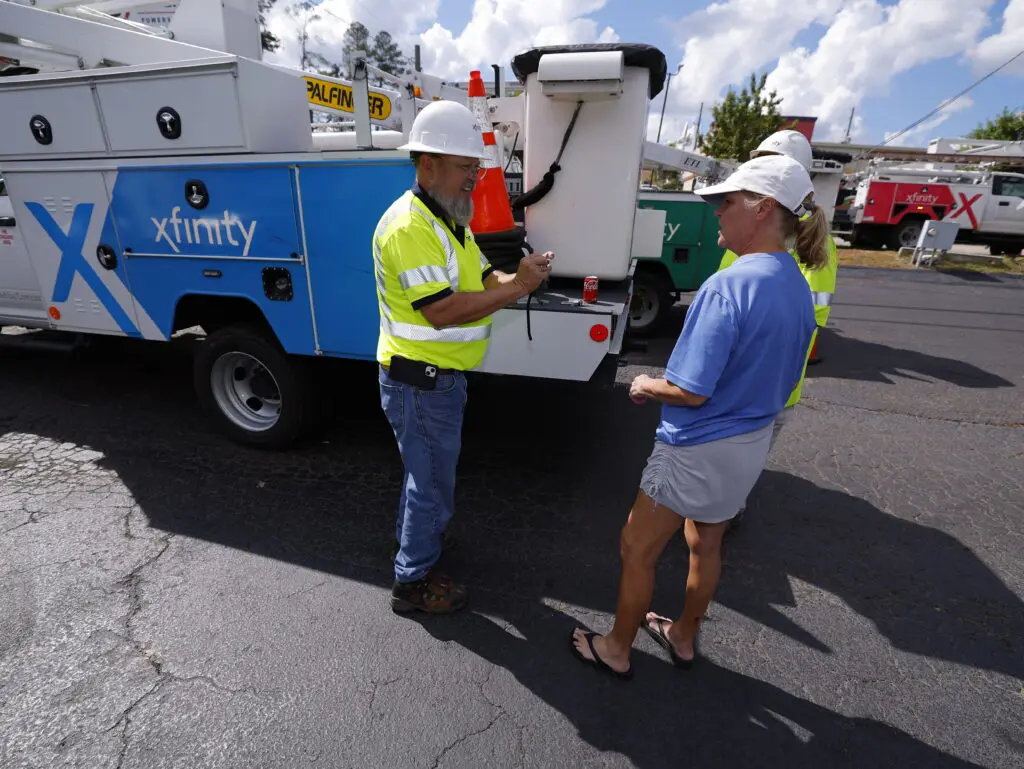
(822, 298)
(430, 334)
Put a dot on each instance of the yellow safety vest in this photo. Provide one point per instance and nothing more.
(823, 287)
(417, 258)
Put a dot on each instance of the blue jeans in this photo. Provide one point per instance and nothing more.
(428, 427)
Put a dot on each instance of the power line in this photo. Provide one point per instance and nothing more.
(942, 106)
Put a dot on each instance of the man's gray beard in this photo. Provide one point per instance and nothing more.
(459, 208)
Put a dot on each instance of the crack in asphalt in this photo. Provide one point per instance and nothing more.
(33, 517)
(300, 591)
(377, 686)
(447, 750)
(809, 399)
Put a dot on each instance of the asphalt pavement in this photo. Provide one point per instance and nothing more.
(169, 599)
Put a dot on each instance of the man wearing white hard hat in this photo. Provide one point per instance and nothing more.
(822, 280)
(436, 293)
(742, 349)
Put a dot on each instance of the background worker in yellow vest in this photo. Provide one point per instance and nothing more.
(436, 293)
(822, 280)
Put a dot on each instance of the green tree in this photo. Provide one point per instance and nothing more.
(387, 55)
(1007, 126)
(667, 180)
(304, 13)
(741, 121)
(357, 38)
(270, 41)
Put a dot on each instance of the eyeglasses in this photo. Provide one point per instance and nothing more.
(473, 170)
(470, 170)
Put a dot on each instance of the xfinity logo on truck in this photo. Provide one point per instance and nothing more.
(205, 230)
(922, 199)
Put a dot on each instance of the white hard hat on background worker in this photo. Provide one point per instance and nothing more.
(792, 144)
(446, 128)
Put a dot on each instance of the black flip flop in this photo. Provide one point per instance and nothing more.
(597, 662)
(661, 637)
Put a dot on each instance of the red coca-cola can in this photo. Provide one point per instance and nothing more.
(590, 289)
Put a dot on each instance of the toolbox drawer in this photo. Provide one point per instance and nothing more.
(52, 120)
(156, 113)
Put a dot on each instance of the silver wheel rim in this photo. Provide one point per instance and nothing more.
(644, 307)
(246, 392)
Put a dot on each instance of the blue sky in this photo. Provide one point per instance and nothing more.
(891, 60)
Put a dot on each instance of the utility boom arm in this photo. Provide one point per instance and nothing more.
(661, 156)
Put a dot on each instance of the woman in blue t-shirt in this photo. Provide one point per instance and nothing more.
(741, 352)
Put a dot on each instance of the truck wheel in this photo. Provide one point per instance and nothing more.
(253, 391)
(651, 303)
(906, 234)
(1006, 248)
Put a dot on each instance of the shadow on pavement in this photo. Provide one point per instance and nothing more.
(549, 471)
(920, 587)
(845, 357)
(971, 276)
(708, 716)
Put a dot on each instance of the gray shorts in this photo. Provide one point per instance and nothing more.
(708, 482)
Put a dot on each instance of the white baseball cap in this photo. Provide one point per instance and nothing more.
(777, 176)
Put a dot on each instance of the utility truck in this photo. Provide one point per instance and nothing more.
(960, 180)
(163, 179)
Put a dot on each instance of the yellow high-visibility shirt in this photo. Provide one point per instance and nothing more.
(419, 259)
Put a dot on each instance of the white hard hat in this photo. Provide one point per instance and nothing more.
(446, 128)
(777, 176)
(792, 144)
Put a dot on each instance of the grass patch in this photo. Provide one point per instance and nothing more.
(856, 257)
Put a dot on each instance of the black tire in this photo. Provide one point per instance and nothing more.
(1006, 248)
(905, 234)
(652, 302)
(252, 359)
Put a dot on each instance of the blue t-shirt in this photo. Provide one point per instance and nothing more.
(743, 346)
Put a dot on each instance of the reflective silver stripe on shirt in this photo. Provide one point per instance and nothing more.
(822, 298)
(417, 276)
(449, 248)
(378, 260)
(483, 262)
(430, 334)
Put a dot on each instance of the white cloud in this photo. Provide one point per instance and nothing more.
(866, 43)
(1001, 46)
(923, 133)
(497, 30)
(401, 18)
(866, 46)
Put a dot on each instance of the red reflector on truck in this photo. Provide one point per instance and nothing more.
(599, 332)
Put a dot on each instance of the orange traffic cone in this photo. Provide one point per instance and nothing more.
(492, 209)
(813, 357)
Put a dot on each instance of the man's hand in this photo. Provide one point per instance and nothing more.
(534, 270)
(638, 390)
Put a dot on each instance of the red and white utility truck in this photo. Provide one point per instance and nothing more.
(894, 201)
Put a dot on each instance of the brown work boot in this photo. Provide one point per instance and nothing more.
(433, 594)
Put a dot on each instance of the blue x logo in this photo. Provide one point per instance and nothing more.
(72, 261)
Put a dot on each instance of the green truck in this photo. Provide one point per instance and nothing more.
(690, 254)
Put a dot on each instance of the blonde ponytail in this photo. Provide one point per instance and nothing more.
(812, 239)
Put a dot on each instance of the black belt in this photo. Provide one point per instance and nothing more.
(440, 371)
